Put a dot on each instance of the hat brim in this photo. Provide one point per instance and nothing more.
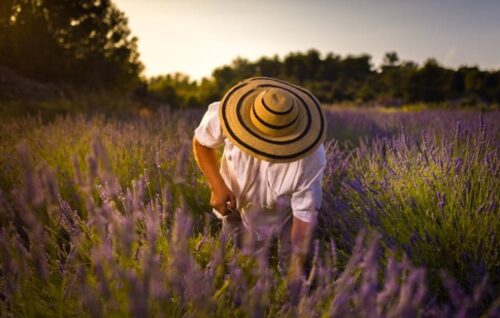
(234, 113)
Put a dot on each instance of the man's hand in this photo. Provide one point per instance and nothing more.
(222, 199)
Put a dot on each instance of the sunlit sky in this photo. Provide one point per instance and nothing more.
(196, 36)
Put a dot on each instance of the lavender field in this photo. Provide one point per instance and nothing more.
(110, 217)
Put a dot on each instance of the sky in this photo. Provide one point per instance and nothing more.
(196, 36)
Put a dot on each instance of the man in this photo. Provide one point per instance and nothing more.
(269, 182)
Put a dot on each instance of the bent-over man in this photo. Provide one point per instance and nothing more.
(269, 180)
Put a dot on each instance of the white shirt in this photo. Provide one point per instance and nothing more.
(267, 194)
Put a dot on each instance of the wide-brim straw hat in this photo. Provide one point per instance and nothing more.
(272, 120)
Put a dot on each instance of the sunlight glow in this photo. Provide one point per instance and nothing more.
(195, 36)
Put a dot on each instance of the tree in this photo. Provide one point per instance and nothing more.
(312, 64)
(176, 89)
(330, 68)
(84, 43)
(268, 67)
(295, 67)
(391, 59)
(432, 82)
(391, 78)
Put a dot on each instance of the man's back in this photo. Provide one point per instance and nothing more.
(267, 193)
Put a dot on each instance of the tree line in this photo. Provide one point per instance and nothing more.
(88, 45)
(333, 78)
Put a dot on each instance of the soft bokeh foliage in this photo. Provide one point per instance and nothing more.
(81, 43)
(352, 78)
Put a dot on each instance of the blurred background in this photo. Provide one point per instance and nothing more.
(132, 56)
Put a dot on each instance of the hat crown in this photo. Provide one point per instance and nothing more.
(274, 112)
(277, 99)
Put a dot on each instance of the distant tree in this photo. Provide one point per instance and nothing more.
(80, 42)
(391, 59)
(177, 90)
(431, 83)
(243, 68)
(228, 75)
(330, 68)
(392, 78)
(473, 81)
(294, 67)
(491, 87)
(312, 64)
(360, 66)
(270, 67)
(207, 92)
(496, 92)
(458, 82)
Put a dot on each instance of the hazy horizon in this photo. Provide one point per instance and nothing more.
(194, 36)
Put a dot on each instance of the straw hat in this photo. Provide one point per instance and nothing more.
(272, 120)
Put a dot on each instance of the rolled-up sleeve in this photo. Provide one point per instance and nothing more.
(306, 200)
(209, 132)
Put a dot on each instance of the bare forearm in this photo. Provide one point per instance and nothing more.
(301, 239)
(207, 161)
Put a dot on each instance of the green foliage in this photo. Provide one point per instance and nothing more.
(337, 79)
(82, 43)
(177, 89)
